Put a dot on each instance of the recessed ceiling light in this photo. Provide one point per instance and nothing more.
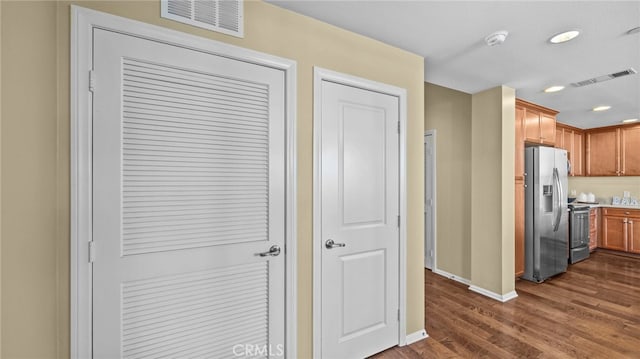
(564, 36)
(629, 120)
(601, 108)
(554, 89)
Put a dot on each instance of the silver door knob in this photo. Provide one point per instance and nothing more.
(273, 251)
(331, 244)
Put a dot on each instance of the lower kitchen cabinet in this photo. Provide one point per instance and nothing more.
(614, 233)
(633, 233)
(519, 227)
(593, 228)
(621, 229)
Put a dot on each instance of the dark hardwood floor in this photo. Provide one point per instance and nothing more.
(592, 311)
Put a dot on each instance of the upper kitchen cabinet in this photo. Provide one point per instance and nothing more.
(613, 151)
(571, 139)
(602, 150)
(630, 150)
(539, 123)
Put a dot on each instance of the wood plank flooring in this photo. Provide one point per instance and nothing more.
(592, 311)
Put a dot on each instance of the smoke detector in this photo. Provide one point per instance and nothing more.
(496, 38)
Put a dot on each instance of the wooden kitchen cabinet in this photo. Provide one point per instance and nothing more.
(519, 160)
(621, 229)
(571, 139)
(633, 233)
(577, 156)
(593, 228)
(539, 123)
(519, 227)
(547, 128)
(602, 151)
(630, 151)
(614, 233)
(613, 151)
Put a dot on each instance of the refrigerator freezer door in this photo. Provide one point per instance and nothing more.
(546, 230)
(562, 234)
(544, 221)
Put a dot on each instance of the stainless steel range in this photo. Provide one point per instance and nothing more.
(578, 233)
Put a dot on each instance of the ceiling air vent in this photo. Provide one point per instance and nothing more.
(225, 16)
(602, 78)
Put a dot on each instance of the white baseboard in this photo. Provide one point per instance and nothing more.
(417, 336)
(499, 297)
(452, 276)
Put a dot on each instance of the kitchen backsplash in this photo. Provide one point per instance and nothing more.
(605, 187)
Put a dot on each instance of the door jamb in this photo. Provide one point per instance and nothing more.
(319, 75)
(433, 133)
(83, 21)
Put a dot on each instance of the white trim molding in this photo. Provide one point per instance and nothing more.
(499, 297)
(452, 276)
(83, 21)
(319, 75)
(417, 336)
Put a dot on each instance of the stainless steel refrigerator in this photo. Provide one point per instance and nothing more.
(546, 217)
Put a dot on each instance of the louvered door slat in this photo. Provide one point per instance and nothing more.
(183, 76)
(192, 120)
(171, 314)
(152, 89)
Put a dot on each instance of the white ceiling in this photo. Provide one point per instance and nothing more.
(450, 36)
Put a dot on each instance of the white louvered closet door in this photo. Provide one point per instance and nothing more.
(188, 186)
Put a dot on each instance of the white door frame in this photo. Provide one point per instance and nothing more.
(435, 199)
(319, 75)
(83, 22)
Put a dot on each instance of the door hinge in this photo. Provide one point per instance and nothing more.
(92, 80)
(398, 221)
(398, 127)
(92, 252)
(398, 314)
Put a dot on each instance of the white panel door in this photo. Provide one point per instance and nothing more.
(429, 197)
(359, 194)
(188, 189)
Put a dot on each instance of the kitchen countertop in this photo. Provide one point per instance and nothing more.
(603, 205)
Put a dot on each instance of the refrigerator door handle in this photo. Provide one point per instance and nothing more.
(559, 194)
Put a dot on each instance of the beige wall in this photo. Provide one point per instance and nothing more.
(35, 153)
(29, 167)
(449, 113)
(605, 187)
(492, 190)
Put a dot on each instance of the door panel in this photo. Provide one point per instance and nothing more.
(362, 154)
(603, 152)
(359, 196)
(614, 233)
(633, 234)
(188, 188)
(630, 157)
